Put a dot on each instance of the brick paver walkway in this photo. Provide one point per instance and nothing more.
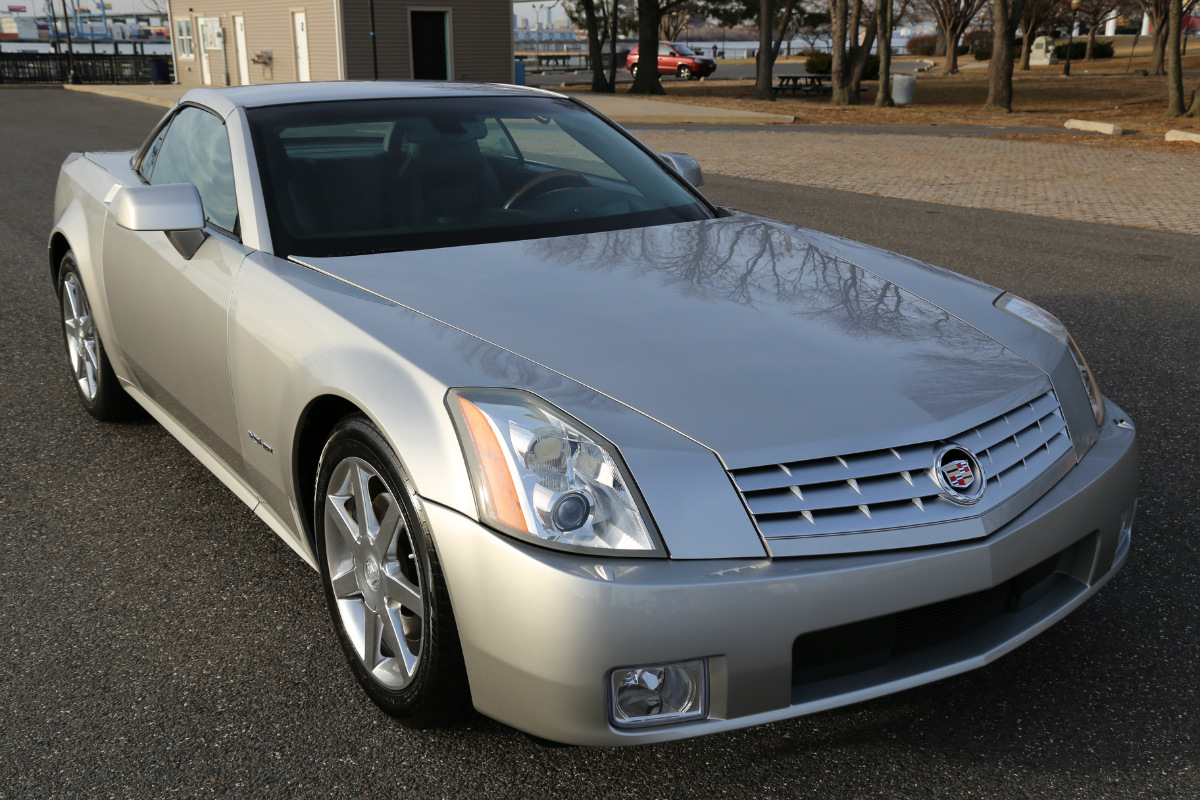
(1129, 186)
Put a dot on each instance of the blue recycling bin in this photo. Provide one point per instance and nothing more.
(519, 73)
(160, 71)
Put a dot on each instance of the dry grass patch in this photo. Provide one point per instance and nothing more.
(1098, 90)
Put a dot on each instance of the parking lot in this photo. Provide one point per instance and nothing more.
(157, 640)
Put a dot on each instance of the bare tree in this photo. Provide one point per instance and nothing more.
(1094, 12)
(1005, 16)
(1157, 11)
(953, 18)
(650, 13)
(597, 33)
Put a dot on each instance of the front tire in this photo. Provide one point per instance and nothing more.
(383, 582)
(685, 72)
(95, 382)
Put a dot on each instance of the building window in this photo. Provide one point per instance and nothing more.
(183, 36)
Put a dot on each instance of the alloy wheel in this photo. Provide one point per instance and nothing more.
(82, 344)
(374, 573)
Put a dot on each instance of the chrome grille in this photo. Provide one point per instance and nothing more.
(896, 487)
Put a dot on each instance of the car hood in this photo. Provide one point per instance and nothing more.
(737, 332)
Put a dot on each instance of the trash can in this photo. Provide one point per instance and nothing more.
(519, 73)
(902, 89)
(160, 71)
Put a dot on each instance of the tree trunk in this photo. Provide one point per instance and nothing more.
(950, 66)
(1158, 56)
(646, 81)
(600, 84)
(766, 54)
(883, 12)
(840, 95)
(1194, 111)
(1091, 43)
(1005, 14)
(1174, 61)
(612, 44)
(858, 60)
(1026, 49)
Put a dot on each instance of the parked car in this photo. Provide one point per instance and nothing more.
(676, 59)
(565, 440)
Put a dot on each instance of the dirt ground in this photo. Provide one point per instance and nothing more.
(1108, 90)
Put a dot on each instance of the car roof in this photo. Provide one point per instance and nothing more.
(224, 101)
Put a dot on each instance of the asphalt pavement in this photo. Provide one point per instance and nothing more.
(157, 640)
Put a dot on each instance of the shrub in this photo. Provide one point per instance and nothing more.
(819, 63)
(922, 45)
(871, 70)
(984, 51)
(1079, 50)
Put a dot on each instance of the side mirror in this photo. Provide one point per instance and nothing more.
(687, 167)
(166, 207)
(173, 208)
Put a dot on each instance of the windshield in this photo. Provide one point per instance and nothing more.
(684, 50)
(382, 175)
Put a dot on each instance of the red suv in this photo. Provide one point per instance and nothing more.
(676, 59)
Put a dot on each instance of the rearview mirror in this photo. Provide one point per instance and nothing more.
(687, 167)
(173, 208)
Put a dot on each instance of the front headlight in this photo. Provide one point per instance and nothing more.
(538, 472)
(1039, 317)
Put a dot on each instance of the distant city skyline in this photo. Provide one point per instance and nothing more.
(530, 11)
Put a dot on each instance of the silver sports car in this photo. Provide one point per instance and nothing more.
(566, 441)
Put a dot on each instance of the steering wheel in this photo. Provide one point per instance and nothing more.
(546, 182)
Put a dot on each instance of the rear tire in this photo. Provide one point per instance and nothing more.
(383, 582)
(95, 382)
(633, 71)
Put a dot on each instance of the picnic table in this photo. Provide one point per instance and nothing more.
(804, 83)
(563, 59)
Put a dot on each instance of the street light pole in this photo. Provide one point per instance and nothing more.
(1075, 4)
(72, 76)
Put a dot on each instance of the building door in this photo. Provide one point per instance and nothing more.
(430, 32)
(209, 41)
(300, 31)
(239, 41)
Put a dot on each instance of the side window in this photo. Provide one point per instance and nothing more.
(665, 50)
(497, 142)
(195, 150)
(147, 165)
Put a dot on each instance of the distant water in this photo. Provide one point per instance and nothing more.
(741, 49)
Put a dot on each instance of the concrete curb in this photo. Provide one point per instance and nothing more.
(126, 94)
(1183, 136)
(1106, 128)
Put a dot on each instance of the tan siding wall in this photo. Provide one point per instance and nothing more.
(268, 27)
(481, 38)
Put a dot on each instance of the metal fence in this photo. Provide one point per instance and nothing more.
(89, 68)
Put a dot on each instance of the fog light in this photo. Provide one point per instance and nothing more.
(658, 694)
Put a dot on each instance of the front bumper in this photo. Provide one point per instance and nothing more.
(541, 630)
